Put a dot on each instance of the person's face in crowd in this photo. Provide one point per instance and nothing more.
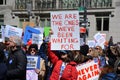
(113, 50)
(11, 44)
(99, 49)
(33, 51)
(63, 55)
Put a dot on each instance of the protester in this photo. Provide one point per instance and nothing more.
(111, 56)
(101, 56)
(3, 67)
(44, 55)
(64, 67)
(16, 63)
(107, 73)
(33, 51)
(117, 62)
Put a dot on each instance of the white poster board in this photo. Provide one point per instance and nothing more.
(65, 27)
(33, 62)
(13, 31)
(91, 43)
(37, 38)
(99, 39)
(88, 71)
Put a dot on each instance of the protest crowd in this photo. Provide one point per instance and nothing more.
(24, 55)
(57, 64)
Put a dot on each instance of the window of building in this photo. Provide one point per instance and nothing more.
(106, 24)
(1, 22)
(68, 4)
(2, 2)
(42, 22)
(48, 22)
(44, 4)
(99, 3)
(99, 23)
(1, 19)
(22, 4)
(102, 24)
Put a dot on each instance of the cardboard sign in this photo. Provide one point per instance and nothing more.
(65, 27)
(33, 62)
(88, 71)
(13, 31)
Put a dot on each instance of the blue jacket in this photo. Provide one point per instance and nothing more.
(110, 76)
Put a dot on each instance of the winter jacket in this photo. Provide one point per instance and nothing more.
(48, 64)
(70, 71)
(16, 64)
(110, 76)
(3, 71)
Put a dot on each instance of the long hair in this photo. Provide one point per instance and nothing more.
(106, 69)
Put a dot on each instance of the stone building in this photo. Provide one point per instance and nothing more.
(102, 15)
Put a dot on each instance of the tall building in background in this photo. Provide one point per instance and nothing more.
(101, 15)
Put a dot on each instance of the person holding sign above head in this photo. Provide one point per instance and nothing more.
(32, 56)
(64, 67)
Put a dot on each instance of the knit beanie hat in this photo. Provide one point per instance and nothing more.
(84, 49)
(33, 46)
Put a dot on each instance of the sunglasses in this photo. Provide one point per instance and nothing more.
(32, 49)
(97, 48)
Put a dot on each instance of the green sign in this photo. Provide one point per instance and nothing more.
(81, 8)
(46, 31)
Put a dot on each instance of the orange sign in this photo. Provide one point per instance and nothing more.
(24, 24)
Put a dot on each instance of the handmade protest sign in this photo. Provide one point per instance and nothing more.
(88, 71)
(13, 31)
(37, 38)
(33, 62)
(91, 43)
(28, 33)
(65, 27)
(99, 38)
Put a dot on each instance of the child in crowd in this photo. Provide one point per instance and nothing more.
(33, 51)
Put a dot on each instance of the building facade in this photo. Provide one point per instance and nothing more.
(102, 15)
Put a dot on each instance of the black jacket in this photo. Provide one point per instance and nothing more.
(3, 71)
(16, 64)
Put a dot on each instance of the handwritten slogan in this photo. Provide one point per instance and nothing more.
(88, 71)
(65, 27)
